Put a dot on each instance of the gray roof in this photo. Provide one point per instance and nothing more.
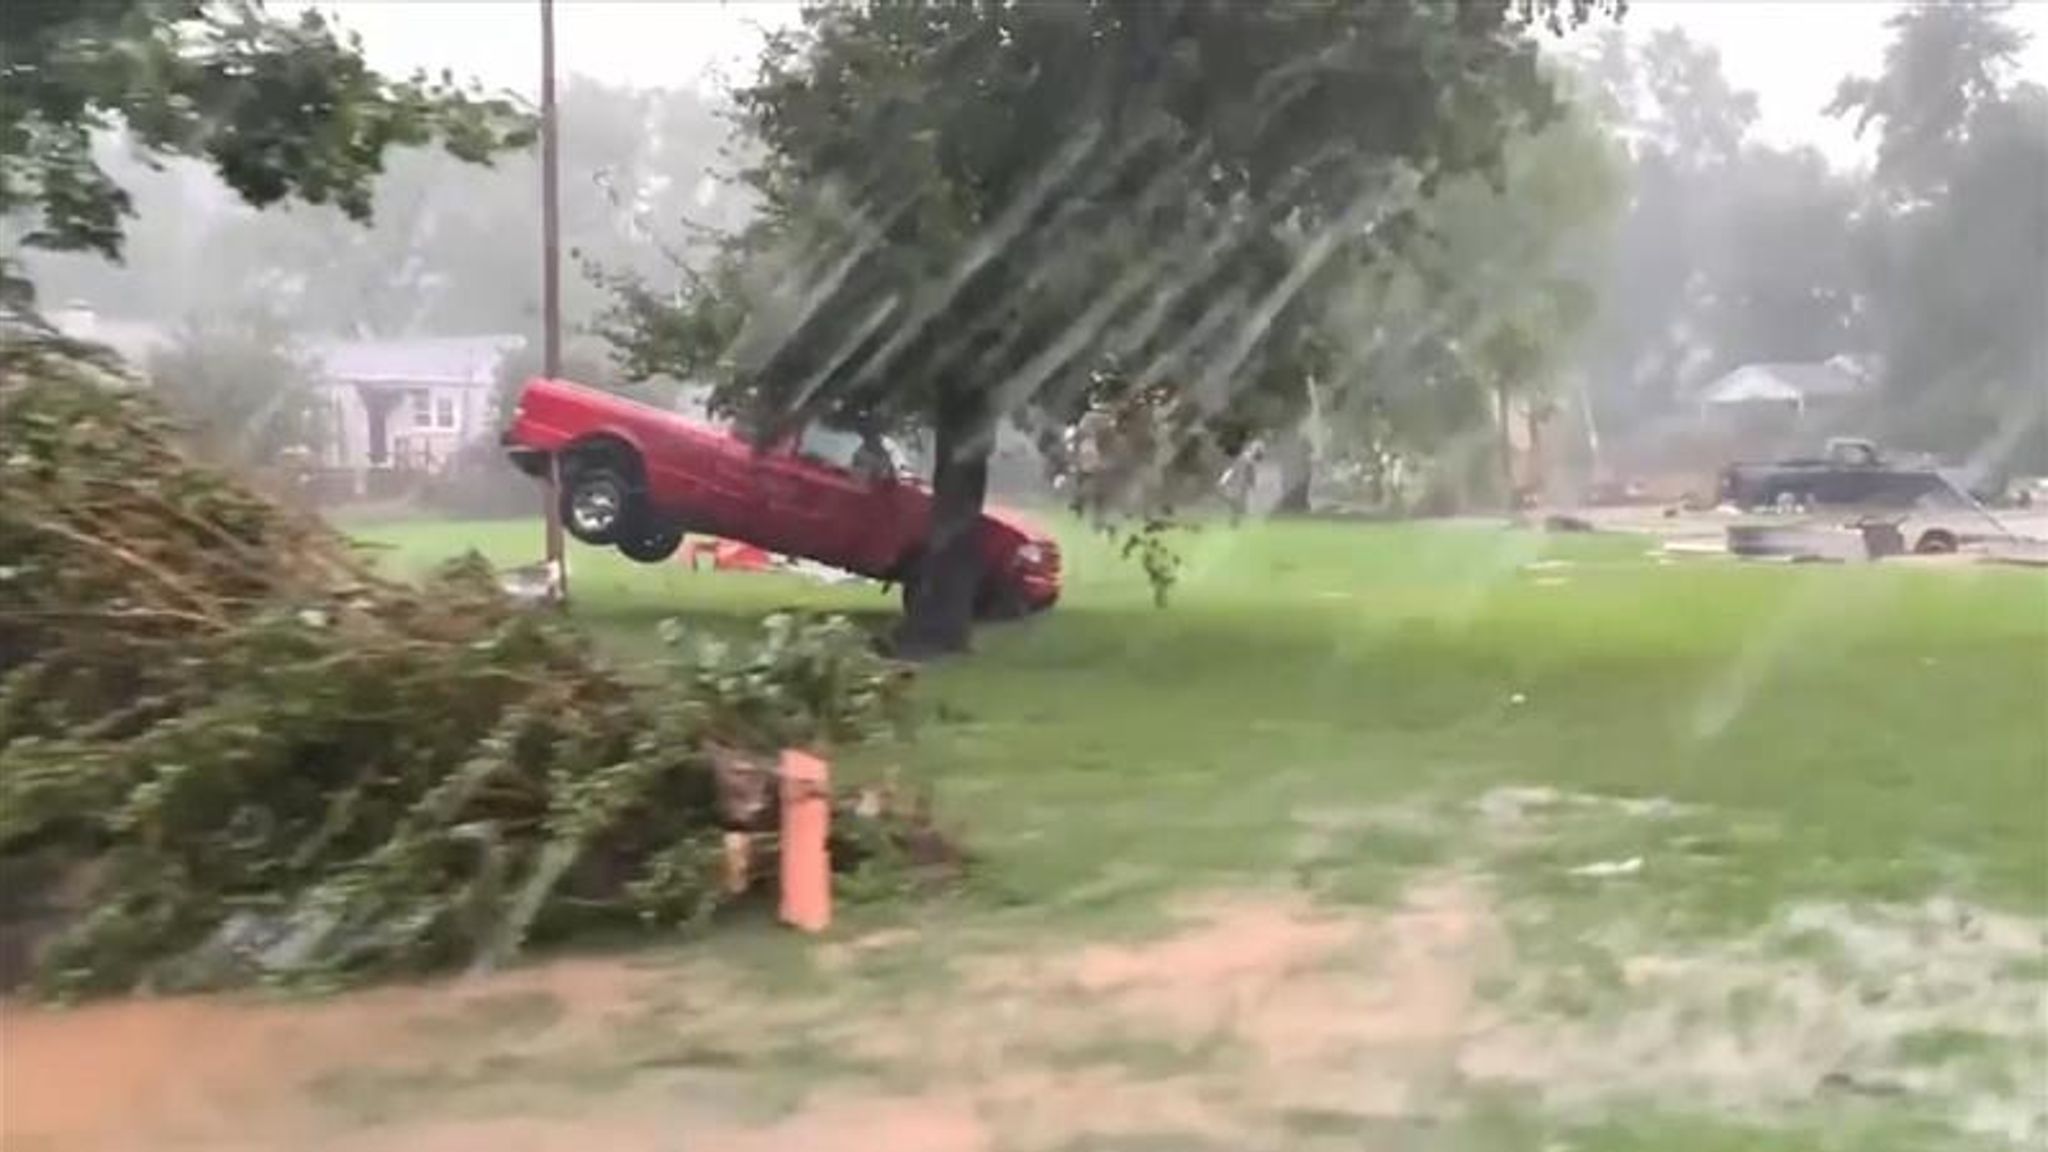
(1784, 381)
(463, 361)
(449, 360)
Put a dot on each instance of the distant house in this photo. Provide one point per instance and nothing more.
(134, 341)
(1797, 389)
(387, 405)
(408, 405)
(1775, 408)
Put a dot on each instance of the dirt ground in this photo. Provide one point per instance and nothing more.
(1259, 1020)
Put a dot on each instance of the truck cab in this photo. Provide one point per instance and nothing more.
(1850, 452)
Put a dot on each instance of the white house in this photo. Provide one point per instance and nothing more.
(1795, 388)
(408, 405)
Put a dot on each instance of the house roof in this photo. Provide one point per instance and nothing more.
(1783, 382)
(132, 340)
(465, 361)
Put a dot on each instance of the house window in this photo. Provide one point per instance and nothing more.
(429, 409)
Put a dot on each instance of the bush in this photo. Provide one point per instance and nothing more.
(240, 389)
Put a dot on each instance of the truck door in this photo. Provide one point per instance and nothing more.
(702, 478)
(813, 498)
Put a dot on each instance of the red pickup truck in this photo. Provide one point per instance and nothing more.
(638, 478)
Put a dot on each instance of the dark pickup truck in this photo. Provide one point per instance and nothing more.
(1850, 473)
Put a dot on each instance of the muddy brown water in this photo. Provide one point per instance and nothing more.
(232, 1074)
(1258, 1007)
(1361, 1013)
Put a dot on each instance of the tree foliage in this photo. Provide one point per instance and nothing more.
(1729, 251)
(1956, 238)
(452, 247)
(974, 211)
(1490, 299)
(1932, 268)
(281, 109)
(1947, 63)
(243, 390)
(455, 248)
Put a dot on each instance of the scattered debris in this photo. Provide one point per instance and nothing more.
(823, 573)
(1510, 806)
(1796, 542)
(535, 584)
(1603, 869)
(1933, 1002)
(1692, 547)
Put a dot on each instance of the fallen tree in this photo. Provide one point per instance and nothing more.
(231, 750)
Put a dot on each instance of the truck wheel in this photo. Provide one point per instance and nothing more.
(596, 505)
(1935, 542)
(651, 545)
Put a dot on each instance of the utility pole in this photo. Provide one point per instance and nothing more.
(551, 283)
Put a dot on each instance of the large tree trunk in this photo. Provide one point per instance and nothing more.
(1504, 412)
(939, 612)
(1296, 459)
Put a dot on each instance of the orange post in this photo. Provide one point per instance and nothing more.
(806, 822)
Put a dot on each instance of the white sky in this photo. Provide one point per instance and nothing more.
(1790, 52)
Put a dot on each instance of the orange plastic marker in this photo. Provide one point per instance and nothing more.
(733, 556)
(806, 822)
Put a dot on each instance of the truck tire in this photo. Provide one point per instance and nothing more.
(597, 505)
(651, 545)
(1935, 542)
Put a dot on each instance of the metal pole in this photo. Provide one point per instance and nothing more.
(551, 282)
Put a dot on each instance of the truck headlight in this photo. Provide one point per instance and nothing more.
(1030, 555)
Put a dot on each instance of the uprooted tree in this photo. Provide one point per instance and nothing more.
(232, 750)
(978, 212)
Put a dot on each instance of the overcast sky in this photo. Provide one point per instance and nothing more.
(1790, 52)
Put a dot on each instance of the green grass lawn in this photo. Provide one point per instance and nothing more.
(1890, 725)
(1866, 734)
